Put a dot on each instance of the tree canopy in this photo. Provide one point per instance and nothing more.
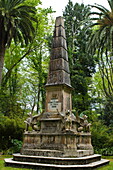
(101, 44)
(15, 23)
(82, 64)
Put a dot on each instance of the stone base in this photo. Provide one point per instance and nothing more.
(68, 144)
(52, 163)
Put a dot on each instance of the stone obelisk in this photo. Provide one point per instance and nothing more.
(62, 140)
(58, 125)
(58, 87)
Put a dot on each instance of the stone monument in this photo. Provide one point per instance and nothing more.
(58, 139)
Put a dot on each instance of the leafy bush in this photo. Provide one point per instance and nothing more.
(102, 138)
(11, 131)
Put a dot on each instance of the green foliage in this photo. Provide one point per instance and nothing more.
(108, 113)
(101, 44)
(24, 76)
(102, 138)
(16, 19)
(17, 145)
(25, 72)
(10, 129)
(82, 65)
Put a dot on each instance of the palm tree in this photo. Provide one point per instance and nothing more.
(101, 43)
(16, 22)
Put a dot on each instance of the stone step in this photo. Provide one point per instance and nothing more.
(57, 160)
(10, 162)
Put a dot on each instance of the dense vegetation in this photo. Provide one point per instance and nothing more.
(26, 59)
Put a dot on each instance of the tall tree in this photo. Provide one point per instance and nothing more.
(82, 65)
(101, 44)
(25, 72)
(15, 23)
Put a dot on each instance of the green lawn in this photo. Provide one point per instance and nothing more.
(2, 167)
(108, 167)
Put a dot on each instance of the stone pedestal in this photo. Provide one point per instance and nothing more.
(65, 144)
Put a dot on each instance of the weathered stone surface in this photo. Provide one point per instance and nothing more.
(59, 42)
(55, 166)
(57, 160)
(58, 126)
(59, 64)
(61, 96)
(59, 31)
(61, 142)
(58, 77)
(59, 21)
(59, 52)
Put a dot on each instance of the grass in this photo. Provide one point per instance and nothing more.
(2, 167)
(107, 167)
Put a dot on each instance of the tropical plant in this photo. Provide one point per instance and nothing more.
(16, 22)
(101, 44)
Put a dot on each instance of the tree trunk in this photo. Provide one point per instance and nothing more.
(2, 54)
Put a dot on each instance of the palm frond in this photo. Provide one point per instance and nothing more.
(110, 2)
(100, 8)
(17, 19)
(94, 13)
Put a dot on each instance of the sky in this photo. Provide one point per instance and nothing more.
(59, 5)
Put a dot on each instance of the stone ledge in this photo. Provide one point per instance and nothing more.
(59, 158)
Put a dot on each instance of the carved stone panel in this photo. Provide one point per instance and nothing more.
(53, 105)
(51, 126)
(53, 99)
(58, 98)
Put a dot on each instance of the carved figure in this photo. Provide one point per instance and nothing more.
(68, 120)
(84, 124)
(31, 121)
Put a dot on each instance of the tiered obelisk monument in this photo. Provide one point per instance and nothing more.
(59, 139)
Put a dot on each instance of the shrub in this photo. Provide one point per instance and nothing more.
(10, 130)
